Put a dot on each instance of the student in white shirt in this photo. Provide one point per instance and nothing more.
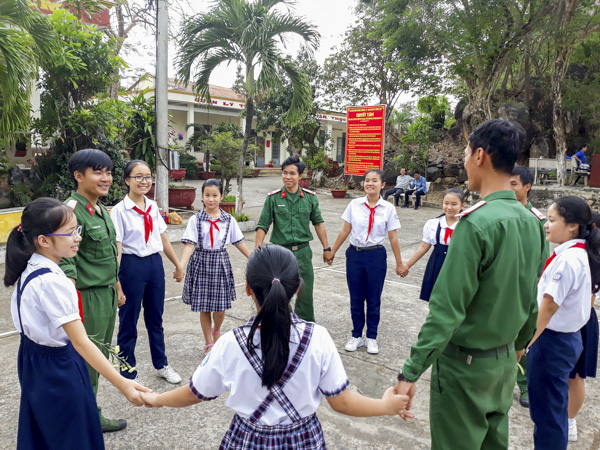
(58, 408)
(571, 275)
(276, 367)
(437, 232)
(367, 221)
(141, 237)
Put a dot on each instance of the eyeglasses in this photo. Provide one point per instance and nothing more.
(76, 231)
(139, 179)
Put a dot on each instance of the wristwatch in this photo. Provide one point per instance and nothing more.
(328, 249)
(401, 377)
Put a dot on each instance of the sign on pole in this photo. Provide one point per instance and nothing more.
(364, 139)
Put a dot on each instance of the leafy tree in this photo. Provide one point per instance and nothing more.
(226, 148)
(141, 132)
(246, 33)
(361, 69)
(26, 37)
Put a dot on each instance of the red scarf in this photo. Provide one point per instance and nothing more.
(371, 218)
(448, 235)
(213, 223)
(549, 260)
(148, 225)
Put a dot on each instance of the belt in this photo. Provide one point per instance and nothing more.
(294, 247)
(366, 249)
(466, 355)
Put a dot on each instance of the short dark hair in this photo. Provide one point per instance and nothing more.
(523, 174)
(293, 160)
(213, 182)
(416, 172)
(81, 160)
(502, 140)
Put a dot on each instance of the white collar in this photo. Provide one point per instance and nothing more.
(130, 204)
(380, 202)
(41, 261)
(565, 245)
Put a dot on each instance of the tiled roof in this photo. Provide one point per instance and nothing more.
(215, 91)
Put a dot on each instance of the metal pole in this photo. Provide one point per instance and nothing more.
(162, 106)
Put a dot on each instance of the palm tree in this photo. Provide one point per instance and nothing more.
(25, 37)
(247, 33)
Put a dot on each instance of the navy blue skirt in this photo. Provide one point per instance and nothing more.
(432, 271)
(588, 361)
(58, 408)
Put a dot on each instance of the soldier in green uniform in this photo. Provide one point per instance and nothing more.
(94, 269)
(521, 182)
(483, 305)
(291, 210)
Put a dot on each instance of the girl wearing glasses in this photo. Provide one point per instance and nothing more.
(54, 343)
(141, 236)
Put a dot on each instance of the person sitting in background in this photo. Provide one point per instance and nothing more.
(419, 186)
(402, 182)
(580, 155)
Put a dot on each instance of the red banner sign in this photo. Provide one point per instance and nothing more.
(364, 139)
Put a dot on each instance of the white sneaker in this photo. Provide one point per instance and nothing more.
(169, 374)
(372, 346)
(572, 433)
(353, 343)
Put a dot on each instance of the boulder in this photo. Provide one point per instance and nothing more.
(518, 112)
(433, 173)
(539, 148)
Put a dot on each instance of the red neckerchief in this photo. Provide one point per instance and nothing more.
(549, 260)
(448, 235)
(371, 218)
(213, 223)
(148, 226)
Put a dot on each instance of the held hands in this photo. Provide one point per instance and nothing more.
(133, 392)
(402, 270)
(150, 399)
(178, 274)
(121, 299)
(409, 389)
(328, 257)
(396, 404)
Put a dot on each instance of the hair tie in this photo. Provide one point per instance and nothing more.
(20, 228)
(274, 280)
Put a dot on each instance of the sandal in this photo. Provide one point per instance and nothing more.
(208, 347)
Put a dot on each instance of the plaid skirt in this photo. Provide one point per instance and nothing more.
(209, 285)
(305, 434)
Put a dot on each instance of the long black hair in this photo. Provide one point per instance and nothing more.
(575, 210)
(41, 216)
(272, 274)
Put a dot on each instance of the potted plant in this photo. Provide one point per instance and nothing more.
(228, 204)
(304, 182)
(182, 196)
(244, 222)
(339, 188)
(177, 174)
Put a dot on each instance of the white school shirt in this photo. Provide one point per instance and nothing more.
(129, 228)
(430, 230)
(569, 281)
(235, 235)
(48, 302)
(320, 372)
(357, 215)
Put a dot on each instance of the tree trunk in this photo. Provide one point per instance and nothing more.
(240, 173)
(558, 119)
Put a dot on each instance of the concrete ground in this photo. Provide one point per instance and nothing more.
(204, 425)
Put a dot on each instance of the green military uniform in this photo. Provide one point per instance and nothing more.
(95, 270)
(483, 304)
(291, 215)
(522, 376)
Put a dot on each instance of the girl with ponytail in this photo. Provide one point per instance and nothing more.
(277, 367)
(571, 276)
(54, 343)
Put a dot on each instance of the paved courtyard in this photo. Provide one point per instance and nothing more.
(203, 425)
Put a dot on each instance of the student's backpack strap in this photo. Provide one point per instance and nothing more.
(21, 287)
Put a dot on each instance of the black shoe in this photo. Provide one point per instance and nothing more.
(110, 425)
(405, 206)
(524, 399)
(396, 204)
(416, 207)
